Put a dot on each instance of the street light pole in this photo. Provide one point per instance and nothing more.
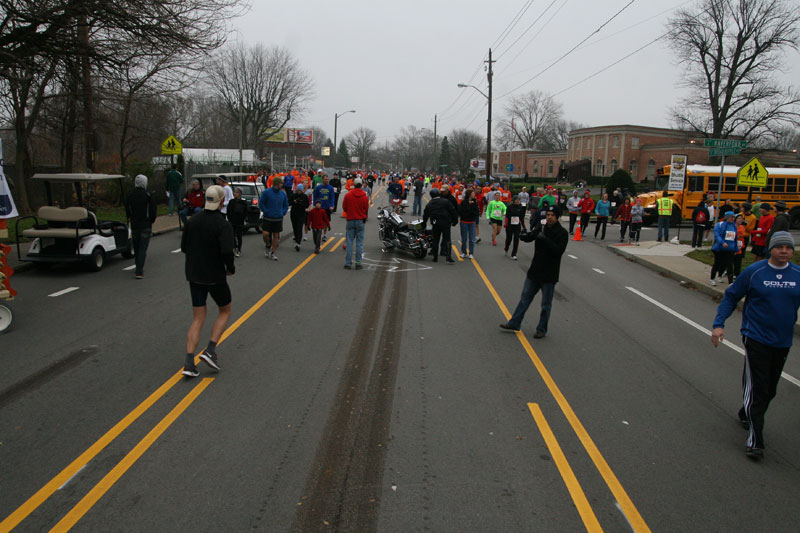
(335, 131)
(489, 75)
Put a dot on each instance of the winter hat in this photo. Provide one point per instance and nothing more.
(780, 238)
(766, 206)
(300, 187)
(780, 205)
(554, 209)
(358, 182)
(214, 196)
(140, 181)
(728, 214)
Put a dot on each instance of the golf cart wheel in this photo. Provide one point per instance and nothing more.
(97, 259)
(127, 253)
(6, 318)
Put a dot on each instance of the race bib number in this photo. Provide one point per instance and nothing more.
(524, 204)
(496, 214)
(514, 221)
(613, 204)
(730, 235)
(740, 245)
(544, 221)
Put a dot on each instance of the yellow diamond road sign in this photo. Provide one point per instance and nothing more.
(752, 174)
(171, 146)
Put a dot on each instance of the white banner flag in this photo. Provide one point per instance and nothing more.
(7, 207)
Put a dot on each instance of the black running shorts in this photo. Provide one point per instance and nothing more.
(220, 293)
(272, 226)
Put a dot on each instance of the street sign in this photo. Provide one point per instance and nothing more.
(171, 146)
(509, 167)
(725, 143)
(752, 174)
(478, 164)
(326, 151)
(724, 151)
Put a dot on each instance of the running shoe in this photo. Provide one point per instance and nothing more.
(210, 359)
(471, 256)
(274, 257)
(358, 266)
(267, 253)
(236, 252)
(712, 283)
(296, 247)
(190, 371)
(754, 453)
(514, 257)
(509, 326)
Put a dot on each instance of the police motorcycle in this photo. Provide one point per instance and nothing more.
(395, 232)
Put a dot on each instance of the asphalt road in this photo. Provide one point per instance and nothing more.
(384, 399)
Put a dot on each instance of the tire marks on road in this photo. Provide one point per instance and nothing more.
(343, 489)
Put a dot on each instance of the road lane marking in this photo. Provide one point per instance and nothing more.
(629, 509)
(573, 486)
(738, 349)
(458, 254)
(65, 291)
(176, 251)
(337, 245)
(22, 512)
(130, 267)
(571, 256)
(73, 476)
(97, 492)
(598, 270)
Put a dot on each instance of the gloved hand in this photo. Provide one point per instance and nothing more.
(541, 235)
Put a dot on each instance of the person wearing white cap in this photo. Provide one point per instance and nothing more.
(772, 291)
(207, 242)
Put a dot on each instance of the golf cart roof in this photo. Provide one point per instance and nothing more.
(77, 177)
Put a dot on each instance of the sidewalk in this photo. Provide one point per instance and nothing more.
(163, 224)
(671, 261)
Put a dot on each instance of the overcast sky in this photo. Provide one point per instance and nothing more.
(399, 63)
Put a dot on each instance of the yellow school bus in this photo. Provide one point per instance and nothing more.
(703, 180)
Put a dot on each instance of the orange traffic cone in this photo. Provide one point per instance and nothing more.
(577, 236)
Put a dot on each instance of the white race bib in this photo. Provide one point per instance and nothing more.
(544, 221)
(730, 235)
(497, 214)
(514, 221)
(524, 204)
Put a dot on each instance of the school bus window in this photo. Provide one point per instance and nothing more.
(697, 183)
(779, 185)
(713, 183)
(730, 183)
(791, 185)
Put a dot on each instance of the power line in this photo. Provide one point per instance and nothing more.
(612, 64)
(521, 35)
(533, 38)
(505, 33)
(569, 52)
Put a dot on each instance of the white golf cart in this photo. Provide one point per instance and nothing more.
(74, 234)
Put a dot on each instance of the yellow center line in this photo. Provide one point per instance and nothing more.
(636, 520)
(97, 492)
(32, 503)
(337, 245)
(573, 486)
(458, 254)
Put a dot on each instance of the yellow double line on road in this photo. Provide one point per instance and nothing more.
(624, 501)
(24, 510)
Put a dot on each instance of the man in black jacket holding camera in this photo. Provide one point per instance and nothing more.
(551, 242)
(443, 215)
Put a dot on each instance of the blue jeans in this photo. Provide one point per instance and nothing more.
(529, 290)
(468, 236)
(663, 227)
(186, 211)
(417, 209)
(141, 240)
(355, 232)
(174, 200)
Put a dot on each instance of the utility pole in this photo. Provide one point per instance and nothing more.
(88, 93)
(489, 73)
(435, 149)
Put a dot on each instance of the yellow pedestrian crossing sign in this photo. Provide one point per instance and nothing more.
(171, 146)
(752, 174)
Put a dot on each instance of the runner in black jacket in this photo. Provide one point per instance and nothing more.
(141, 209)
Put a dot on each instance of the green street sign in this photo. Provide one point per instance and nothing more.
(725, 143)
(509, 167)
(724, 151)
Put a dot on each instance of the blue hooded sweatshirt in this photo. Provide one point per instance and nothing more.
(273, 203)
(725, 232)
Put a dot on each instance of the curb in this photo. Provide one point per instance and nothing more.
(705, 289)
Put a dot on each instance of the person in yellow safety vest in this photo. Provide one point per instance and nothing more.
(664, 206)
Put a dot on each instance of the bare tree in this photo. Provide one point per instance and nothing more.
(731, 50)
(464, 146)
(557, 138)
(361, 143)
(529, 118)
(262, 88)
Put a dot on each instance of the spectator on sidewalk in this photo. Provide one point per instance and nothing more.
(141, 209)
(173, 183)
(193, 201)
(772, 292)
(763, 225)
(699, 220)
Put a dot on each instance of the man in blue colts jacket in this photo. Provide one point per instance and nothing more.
(274, 205)
(772, 291)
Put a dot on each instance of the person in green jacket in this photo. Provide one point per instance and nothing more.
(173, 185)
(495, 213)
(549, 197)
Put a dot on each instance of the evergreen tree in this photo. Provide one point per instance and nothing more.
(342, 155)
(444, 157)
